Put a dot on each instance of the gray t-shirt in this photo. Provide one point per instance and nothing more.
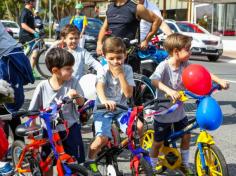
(173, 79)
(113, 89)
(7, 43)
(82, 58)
(44, 95)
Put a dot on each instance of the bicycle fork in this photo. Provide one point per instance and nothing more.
(204, 138)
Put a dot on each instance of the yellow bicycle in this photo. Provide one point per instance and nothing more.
(209, 161)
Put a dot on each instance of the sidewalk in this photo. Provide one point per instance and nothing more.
(229, 54)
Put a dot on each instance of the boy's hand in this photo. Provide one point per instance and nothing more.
(224, 84)
(174, 95)
(117, 70)
(72, 93)
(110, 105)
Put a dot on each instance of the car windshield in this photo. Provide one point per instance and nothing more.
(94, 25)
(185, 27)
(9, 24)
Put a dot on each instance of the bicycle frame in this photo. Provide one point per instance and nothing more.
(38, 43)
(56, 144)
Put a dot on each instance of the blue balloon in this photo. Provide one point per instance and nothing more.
(209, 115)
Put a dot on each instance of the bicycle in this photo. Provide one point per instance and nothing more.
(208, 158)
(39, 45)
(27, 158)
(139, 160)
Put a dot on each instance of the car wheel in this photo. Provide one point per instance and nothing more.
(213, 58)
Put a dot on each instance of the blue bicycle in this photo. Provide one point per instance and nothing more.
(209, 161)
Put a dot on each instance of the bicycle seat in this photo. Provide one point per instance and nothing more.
(22, 130)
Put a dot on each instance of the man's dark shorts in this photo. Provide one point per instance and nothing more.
(163, 130)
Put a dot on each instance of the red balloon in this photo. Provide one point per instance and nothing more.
(197, 79)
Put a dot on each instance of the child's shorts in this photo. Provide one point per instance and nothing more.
(163, 130)
(103, 121)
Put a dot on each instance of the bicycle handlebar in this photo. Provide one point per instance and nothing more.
(102, 106)
(214, 87)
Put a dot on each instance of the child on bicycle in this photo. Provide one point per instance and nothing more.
(70, 37)
(167, 78)
(115, 85)
(62, 84)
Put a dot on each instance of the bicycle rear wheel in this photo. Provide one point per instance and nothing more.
(144, 169)
(143, 91)
(41, 64)
(214, 159)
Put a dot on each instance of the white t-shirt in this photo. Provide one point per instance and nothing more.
(144, 25)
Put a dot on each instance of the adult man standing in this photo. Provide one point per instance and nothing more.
(145, 26)
(27, 30)
(123, 19)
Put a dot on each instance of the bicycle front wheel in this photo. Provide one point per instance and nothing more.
(214, 160)
(143, 91)
(144, 168)
(41, 64)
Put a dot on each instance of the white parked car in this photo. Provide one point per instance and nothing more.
(13, 26)
(204, 43)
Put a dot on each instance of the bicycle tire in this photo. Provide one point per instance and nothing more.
(144, 168)
(143, 91)
(41, 65)
(221, 165)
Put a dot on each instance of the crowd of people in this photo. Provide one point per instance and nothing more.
(115, 83)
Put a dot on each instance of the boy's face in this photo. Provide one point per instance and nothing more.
(184, 54)
(72, 41)
(114, 59)
(64, 73)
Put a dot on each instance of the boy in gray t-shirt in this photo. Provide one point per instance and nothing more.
(114, 86)
(168, 79)
(62, 84)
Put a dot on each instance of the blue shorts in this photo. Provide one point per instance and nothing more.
(163, 130)
(103, 121)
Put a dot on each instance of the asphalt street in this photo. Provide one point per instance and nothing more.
(224, 136)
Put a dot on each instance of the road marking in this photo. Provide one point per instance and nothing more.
(233, 61)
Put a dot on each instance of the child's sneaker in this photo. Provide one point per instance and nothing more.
(6, 169)
(92, 166)
(187, 171)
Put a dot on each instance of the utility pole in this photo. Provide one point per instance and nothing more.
(164, 9)
(50, 19)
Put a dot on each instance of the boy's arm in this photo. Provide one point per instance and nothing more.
(91, 62)
(223, 83)
(125, 87)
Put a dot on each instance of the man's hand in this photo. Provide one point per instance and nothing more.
(36, 34)
(99, 49)
(144, 45)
